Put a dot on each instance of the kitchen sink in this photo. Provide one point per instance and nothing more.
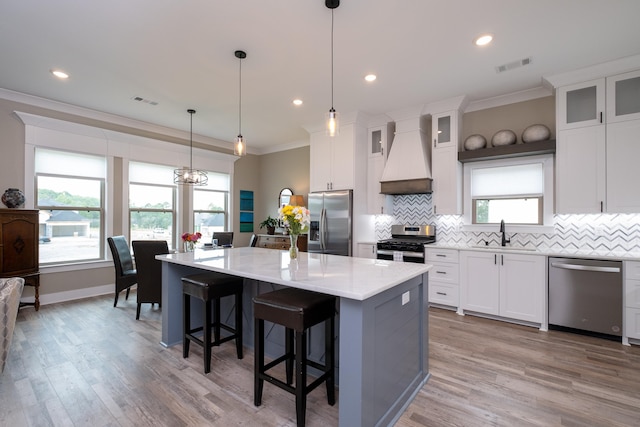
(509, 248)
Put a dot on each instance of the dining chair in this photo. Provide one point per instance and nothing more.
(224, 237)
(253, 241)
(149, 271)
(126, 275)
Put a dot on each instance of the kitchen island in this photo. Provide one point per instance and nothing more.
(383, 318)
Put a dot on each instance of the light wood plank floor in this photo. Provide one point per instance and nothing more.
(85, 363)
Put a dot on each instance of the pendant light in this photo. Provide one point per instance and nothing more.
(239, 145)
(190, 176)
(333, 125)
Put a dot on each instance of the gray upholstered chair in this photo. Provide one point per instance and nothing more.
(10, 292)
(225, 238)
(126, 275)
(149, 270)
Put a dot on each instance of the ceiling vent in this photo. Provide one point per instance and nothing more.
(143, 100)
(512, 65)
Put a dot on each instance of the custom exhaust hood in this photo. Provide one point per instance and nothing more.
(408, 168)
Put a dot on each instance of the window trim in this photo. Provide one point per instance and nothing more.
(547, 161)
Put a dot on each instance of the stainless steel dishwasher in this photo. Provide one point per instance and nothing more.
(586, 295)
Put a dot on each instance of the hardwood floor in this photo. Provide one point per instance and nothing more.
(86, 363)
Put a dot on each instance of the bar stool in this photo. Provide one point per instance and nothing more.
(297, 310)
(210, 287)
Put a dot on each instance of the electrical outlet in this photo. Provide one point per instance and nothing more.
(405, 297)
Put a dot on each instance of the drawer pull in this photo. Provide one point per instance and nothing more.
(441, 255)
(441, 293)
(441, 272)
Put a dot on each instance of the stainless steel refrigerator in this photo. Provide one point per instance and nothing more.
(330, 230)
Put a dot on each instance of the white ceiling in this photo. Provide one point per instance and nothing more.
(180, 54)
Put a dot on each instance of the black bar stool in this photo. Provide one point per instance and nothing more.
(297, 310)
(210, 287)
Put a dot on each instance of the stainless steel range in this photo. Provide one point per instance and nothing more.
(407, 243)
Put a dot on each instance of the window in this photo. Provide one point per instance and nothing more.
(152, 202)
(520, 192)
(211, 205)
(70, 190)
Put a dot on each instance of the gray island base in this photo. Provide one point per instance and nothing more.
(383, 319)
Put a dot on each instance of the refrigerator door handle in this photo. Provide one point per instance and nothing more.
(323, 229)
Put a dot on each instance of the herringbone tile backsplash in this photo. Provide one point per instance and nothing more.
(597, 232)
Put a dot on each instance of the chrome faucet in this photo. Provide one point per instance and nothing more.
(504, 240)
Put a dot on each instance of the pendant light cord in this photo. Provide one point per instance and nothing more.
(332, 59)
(191, 140)
(240, 101)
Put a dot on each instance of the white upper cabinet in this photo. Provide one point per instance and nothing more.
(444, 129)
(581, 104)
(379, 142)
(623, 152)
(581, 170)
(598, 145)
(447, 181)
(445, 168)
(623, 97)
(333, 160)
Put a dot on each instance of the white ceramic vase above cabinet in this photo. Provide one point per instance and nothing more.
(379, 143)
(598, 144)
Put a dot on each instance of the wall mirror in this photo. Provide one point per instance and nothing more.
(285, 195)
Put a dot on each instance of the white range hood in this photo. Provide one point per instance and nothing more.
(408, 167)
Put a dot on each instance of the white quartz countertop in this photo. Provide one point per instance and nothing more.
(547, 251)
(347, 277)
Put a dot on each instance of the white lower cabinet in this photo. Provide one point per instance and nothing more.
(366, 250)
(503, 284)
(632, 299)
(444, 286)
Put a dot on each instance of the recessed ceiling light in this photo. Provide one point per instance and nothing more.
(297, 102)
(483, 40)
(60, 74)
(370, 77)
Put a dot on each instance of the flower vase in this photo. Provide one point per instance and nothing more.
(189, 246)
(293, 250)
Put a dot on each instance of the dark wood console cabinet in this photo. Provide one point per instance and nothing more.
(19, 240)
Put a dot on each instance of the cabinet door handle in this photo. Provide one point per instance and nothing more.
(434, 142)
(601, 206)
(600, 116)
(502, 259)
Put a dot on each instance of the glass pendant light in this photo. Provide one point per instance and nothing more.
(332, 117)
(239, 145)
(190, 176)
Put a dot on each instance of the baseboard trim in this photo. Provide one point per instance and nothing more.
(76, 294)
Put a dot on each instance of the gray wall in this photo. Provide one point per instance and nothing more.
(287, 168)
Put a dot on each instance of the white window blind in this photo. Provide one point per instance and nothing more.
(70, 164)
(505, 181)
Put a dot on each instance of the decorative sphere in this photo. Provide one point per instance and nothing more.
(13, 198)
(536, 133)
(503, 137)
(475, 142)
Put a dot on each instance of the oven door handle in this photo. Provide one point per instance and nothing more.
(404, 253)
